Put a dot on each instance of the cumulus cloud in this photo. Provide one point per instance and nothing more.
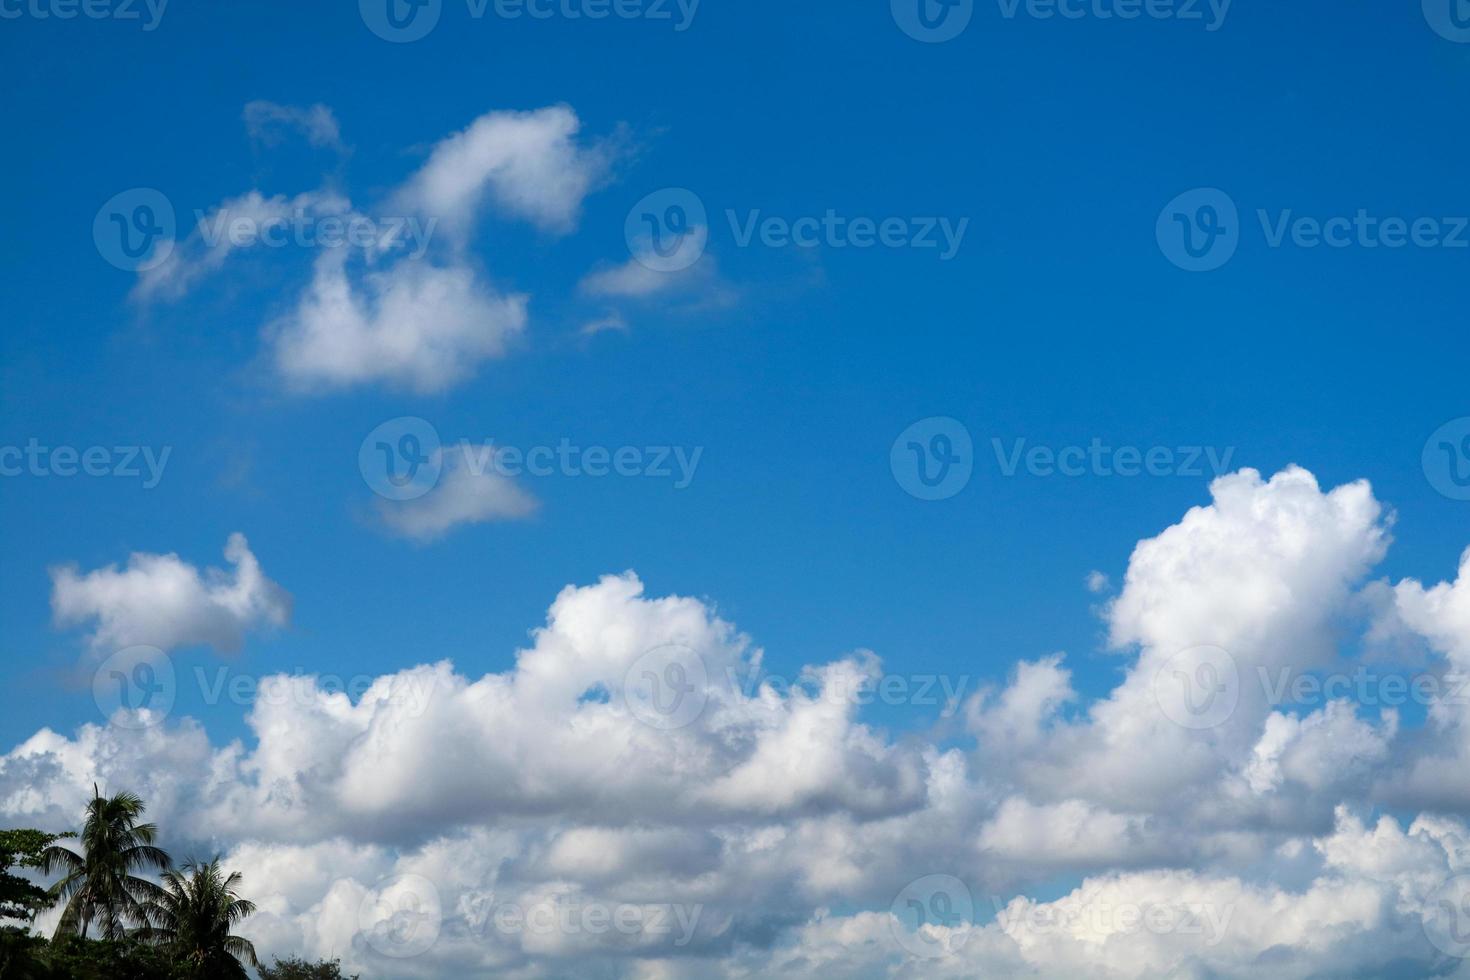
(412, 325)
(638, 761)
(163, 601)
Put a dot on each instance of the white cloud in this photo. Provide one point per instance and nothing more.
(412, 325)
(266, 122)
(381, 307)
(1238, 850)
(465, 494)
(529, 163)
(612, 321)
(646, 275)
(162, 601)
(238, 223)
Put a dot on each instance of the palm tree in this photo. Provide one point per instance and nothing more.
(99, 886)
(193, 914)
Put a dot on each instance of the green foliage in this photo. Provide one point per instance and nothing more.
(296, 968)
(22, 955)
(23, 848)
(28, 957)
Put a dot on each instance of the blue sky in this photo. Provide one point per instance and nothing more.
(1060, 320)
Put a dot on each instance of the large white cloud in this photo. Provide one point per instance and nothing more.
(624, 772)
